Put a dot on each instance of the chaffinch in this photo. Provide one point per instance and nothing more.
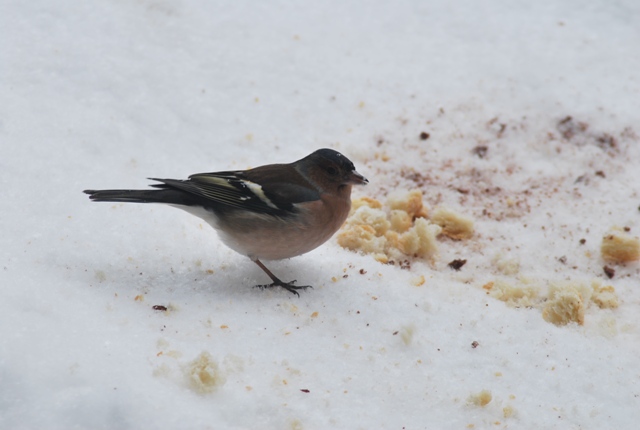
(270, 212)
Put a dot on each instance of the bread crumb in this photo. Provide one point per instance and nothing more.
(362, 238)
(453, 224)
(203, 375)
(420, 240)
(565, 305)
(410, 202)
(482, 399)
(514, 295)
(508, 411)
(506, 266)
(173, 354)
(365, 201)
(382, 156)
(375, 218)
(400, 220)
(418, 282)
(381, 258)
(406, 334)
(604, 296)
(619, 247)
(296, 425)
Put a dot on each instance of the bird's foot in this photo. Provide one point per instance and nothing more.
(286, 285)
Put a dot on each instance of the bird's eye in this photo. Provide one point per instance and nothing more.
(332, 171)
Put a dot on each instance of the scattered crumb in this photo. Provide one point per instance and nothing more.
(370, 217)
(419, 281)
(604, 296)
(565, 302)
(361, 238)
(505, 265)
(365, 201)
(564, 306)
(517, 295)
(296, 425)
(406, 334)
(203, 375)
(482, 399)
(159, 308)
(400, 221)
(508, 411)
(475, 344)
(172, 353)
(453, 225)
(410, 202)
(381, 258)
(420, 240)
(619, 247)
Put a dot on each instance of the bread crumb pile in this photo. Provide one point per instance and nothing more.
(404, 228)
(401, 228)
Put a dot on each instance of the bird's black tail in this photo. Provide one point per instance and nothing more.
(168, 196)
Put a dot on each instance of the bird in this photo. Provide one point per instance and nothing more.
(270, 212)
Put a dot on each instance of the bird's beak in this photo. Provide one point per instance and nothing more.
(357, 179)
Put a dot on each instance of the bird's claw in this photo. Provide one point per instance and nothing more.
(286, 285)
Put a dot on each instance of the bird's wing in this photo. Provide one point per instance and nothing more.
(234, 189)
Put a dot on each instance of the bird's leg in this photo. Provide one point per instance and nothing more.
(278, 283)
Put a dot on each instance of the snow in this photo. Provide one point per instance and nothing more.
(105, 94)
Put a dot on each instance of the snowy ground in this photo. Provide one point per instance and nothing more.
(105, 94)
